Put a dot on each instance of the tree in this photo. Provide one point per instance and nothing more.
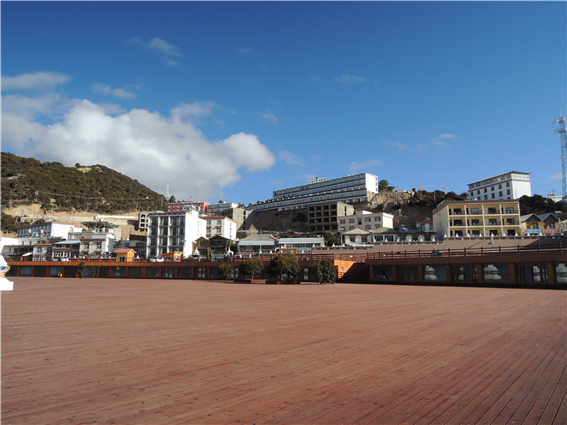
(225, 271)
(171, 199)
(251, 266)
(82, 268)
(77, 165)
(383, 185)
(332, 239)
(324, 271)
(95, 271)
(284, 265)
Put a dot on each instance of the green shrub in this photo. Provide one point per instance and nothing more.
(324, 271)
(284, 265)
(225, 271)
(251, 266)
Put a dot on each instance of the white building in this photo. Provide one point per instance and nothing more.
(510, 185)
(350, 189)
(366, 220)
(220, 225)
(169, 232)
(47, 230)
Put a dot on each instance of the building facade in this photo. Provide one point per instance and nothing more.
(510, 185)
(171, 232)
(357, 188)
(219, 225)
(181, 206)
(366, 220)
(477, 218)
(325, 216)
(48, 230)
(542, 224)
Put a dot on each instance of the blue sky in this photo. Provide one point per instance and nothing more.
(251, 97)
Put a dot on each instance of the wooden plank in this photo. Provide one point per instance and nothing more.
(172, 351)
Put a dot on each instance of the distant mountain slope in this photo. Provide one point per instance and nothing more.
(59, 188)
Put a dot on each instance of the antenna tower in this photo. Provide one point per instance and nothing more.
(167, 192)
(561, 130)
(352, 168)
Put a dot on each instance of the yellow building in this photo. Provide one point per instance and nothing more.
(542, 224)
(477, 218)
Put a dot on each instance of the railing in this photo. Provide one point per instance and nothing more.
(467, 252)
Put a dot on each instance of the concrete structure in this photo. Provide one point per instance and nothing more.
(33, 232)
(477, 218)
(218, 225)
(96, 244)
(182, 206)
(510, 185)
(354, 189)
(424, 226)
(222, 206)
(257, 243)
(366, 220)
(143, 222)
(325, 216)
(68, 250)
(299, 245)
(543, 224)
(170, 232)
(232, 211)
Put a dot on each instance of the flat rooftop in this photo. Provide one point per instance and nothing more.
(118, 351)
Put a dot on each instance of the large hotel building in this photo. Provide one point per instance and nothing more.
(510, 185)
(349, 190)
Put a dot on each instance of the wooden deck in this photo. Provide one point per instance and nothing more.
(118, 351)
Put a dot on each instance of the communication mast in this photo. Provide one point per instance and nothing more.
(561, 130)
(352, 168)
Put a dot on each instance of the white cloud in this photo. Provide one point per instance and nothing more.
(290, 158)
(369, 164)
(152, 148)
(112, 109)
(193, 110)
(557, 176)
(317, 157)
(447, 136)
(35, 81)
(268, 116)
(162, 46)
(107, 91)
(349, 79)
(397, 145)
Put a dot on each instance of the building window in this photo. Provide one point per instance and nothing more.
(485, 190)
(499, 193)
(351, 228)
(351, 221)
(509, 210)
(218, 223)
(500, 186)
(376, 226)
(535, 226)
(492, 188)
(208, 222)
(474, 210)
(485, 197)
(493, 196)
(367, 227)
(478, 192)
(343, 222)
(377, 219)
(508, 184)
(367, 219)
(508, 192)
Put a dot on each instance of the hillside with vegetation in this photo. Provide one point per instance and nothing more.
(55, 187)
